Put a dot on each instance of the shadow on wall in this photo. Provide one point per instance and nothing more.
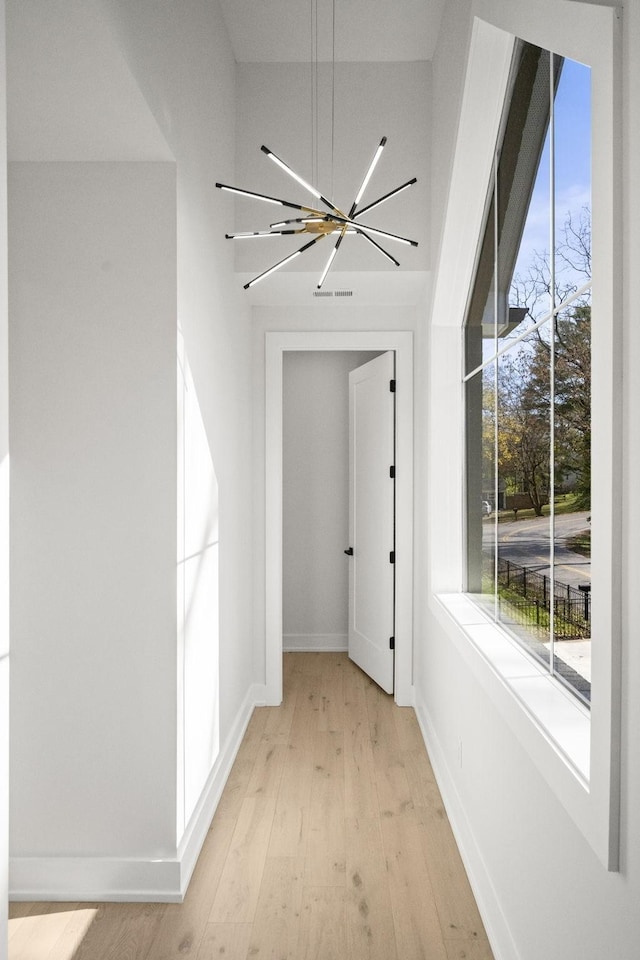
(198, 595)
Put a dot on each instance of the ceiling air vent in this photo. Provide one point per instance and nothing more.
(333, 293)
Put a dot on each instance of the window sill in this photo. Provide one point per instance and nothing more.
(555, 727)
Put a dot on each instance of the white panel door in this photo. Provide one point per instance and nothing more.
(371, 518)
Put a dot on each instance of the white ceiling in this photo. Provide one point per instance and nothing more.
(280, 31)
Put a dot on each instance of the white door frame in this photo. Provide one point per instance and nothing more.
(275, 346)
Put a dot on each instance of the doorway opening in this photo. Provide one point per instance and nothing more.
(315, 498)
(278, 345)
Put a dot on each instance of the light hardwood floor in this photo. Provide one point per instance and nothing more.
(330, 842)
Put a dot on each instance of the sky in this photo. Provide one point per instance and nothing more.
(572, 162)
(572, 109)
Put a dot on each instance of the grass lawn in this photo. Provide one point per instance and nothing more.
(565, 503)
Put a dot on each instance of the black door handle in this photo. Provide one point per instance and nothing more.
(349, 551)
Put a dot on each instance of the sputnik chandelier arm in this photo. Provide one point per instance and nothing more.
(378, 247)
(362, 227)
(349, 229)
(317, 223)
(387, 196)
(281, 263)
(303, 183)
(367, 176)
(268, 199)
(331, 257)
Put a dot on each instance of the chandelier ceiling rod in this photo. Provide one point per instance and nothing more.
(333, 110)
(313, 221)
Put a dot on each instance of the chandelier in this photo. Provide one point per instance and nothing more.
(311, 221)
(319, 224)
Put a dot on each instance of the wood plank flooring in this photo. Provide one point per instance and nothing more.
(330, 842)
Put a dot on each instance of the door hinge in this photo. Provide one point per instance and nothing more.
(392, 643)
(392, 472)
(392, 557)
(392, 386)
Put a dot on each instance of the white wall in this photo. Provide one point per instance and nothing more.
(180, 57)
(170, 71)
(93, 386)
(316, 497)
(4, 514)
(543, 890)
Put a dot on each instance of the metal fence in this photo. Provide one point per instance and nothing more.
(527, 597)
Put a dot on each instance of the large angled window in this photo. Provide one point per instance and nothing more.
(528, 374)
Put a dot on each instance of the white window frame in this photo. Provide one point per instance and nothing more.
(577, 753)
(489, 363)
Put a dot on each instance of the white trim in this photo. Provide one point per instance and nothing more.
(275, 346)
(480, 118)
(86, 879)
(590, 34)
(503, 945)
(554, 717)
(310, 642)
(196, 831)
(162, 880)
(581, 32)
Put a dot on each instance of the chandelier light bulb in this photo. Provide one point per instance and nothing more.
(367, 175)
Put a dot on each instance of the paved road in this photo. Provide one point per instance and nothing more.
(527, 542)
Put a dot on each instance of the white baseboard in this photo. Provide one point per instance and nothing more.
(135, 880)
(94, 879)
(198, 826)
(495, 922)
(314, 642)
